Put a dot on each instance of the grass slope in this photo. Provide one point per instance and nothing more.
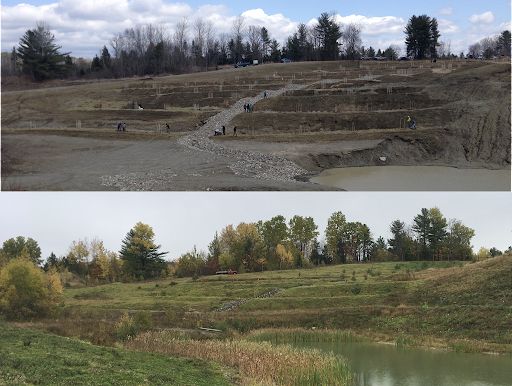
(32, 357)
(450, 304)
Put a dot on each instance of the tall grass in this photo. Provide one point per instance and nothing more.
(300, 335)
(256, 361)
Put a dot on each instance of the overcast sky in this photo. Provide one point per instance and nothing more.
(182, 220)
(83, 27)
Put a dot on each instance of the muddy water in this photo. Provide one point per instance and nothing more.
(385, 365)
(414, 178)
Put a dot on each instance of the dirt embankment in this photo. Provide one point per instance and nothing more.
(476, 133)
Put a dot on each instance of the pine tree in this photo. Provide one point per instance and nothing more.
(96, 64)
(105, 57)
(265, 38)
(40, 56)
(422, 37)
(504, 43)
(140, 253)
(329, 33)
(275, 52)
(422, 227)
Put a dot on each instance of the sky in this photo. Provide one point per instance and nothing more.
(83, 27)
(184, 220)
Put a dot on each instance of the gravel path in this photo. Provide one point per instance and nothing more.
(233, 305)
(242, 162)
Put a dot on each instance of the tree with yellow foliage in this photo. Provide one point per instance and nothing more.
(25, 290)
(284, 256)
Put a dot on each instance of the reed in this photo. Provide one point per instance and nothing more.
(300, 335)
(257, 362)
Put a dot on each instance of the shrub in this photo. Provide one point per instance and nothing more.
(356, 289)
(26, 291)
(128, 326)
(125, 327)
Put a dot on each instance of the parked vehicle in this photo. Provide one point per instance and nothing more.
(285, 60)
(228, 272)
(242, 64)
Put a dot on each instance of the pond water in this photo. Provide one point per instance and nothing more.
(386, 365)
(414, 178)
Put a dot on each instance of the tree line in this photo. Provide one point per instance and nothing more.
(196, 46)
(278, 244)
(274, 244)
(490, 47)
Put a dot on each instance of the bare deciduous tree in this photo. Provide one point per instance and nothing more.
(351, 36)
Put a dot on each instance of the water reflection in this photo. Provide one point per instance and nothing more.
(386, 365)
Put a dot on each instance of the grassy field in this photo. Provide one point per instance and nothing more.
(427, 302)
(29, 357)
(465, 307)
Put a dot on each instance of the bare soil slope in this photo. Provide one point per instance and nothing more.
(323, 115)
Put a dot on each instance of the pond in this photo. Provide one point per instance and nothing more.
(387, 365)
(414, 178)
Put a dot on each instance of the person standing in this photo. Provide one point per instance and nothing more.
(234, 132)
(223, 130)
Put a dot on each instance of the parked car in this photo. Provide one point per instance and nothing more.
(285, 60)
(404, 58)
(242, 64)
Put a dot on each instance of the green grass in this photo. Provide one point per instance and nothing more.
(421, 301)
(32, 357)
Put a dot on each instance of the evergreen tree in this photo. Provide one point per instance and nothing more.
(329, 33)
(422, 227)
(275, 52)
(140, 253)
(265, 38)
(422, 37)
(434, 38)
(504, 43)
(96, 64)
(437, 231)
(397, 242)
(51, 262)
(40, 56)
(105, 57)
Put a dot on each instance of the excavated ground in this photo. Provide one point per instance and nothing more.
(316, 116)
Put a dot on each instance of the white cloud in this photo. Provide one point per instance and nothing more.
(484, 18)
(371, 25)
(279, 26)
(84, 27)
(505, 26)
(447, 26)
(448, 11)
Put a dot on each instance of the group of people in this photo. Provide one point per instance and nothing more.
(121, 126)
(248, 108)
(222, 131)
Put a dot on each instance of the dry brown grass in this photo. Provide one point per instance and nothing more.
(259, 363)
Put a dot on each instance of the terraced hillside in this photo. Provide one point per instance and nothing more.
(464, 304)
(316, 116)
